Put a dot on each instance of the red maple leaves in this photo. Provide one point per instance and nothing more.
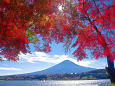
(90, 21)
(7, 1)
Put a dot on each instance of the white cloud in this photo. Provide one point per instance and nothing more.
(12, 68)
(43, 57)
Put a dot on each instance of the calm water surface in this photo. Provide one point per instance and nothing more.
(56, 83)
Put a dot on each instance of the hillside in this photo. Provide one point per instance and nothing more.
(95, 74)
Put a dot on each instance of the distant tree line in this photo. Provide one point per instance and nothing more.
(91, 75)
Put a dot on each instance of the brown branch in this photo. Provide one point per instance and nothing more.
(110, 62)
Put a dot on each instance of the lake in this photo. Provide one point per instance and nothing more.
(56, 83)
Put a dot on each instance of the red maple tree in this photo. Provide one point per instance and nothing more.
(90, 22)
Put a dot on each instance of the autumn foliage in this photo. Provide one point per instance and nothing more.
(91, 23)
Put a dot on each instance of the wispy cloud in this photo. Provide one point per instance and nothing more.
(43, 57)
(10, 69)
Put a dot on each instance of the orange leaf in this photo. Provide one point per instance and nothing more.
(7, 1)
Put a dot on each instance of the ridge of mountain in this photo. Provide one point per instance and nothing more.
(66, 66)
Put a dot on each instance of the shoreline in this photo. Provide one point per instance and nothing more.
(55, 80)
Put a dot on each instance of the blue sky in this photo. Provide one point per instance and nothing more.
(39, 60)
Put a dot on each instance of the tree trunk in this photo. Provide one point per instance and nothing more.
(110, 69)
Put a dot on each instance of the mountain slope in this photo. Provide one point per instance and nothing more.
(91, 75)
(63, 67)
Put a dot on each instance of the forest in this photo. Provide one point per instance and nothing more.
(91, 75)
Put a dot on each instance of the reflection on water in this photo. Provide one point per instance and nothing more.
(56, 83)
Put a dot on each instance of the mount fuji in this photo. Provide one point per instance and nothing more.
(66, 66)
